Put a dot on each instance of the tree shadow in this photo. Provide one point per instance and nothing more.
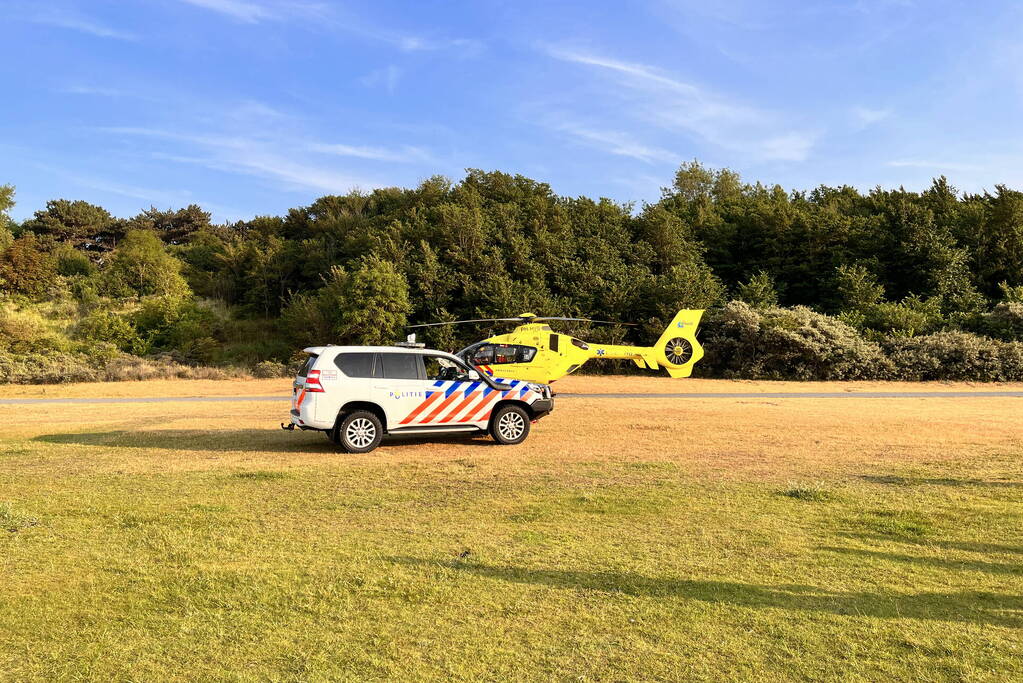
(940, 563)
(248, 440)
(966, 546)
(936, 481)
(979, 607)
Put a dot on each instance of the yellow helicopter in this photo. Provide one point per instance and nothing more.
(533, 352)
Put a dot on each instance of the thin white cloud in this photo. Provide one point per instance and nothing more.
(637, 72)
(402, 155)
(866, 116)
(244, 10)
(619, 144)
(97, 91)
(386, 77)
(935, 165)
(333, 17)
(68, 19)
(788, 147)
(669, 104)
(270, 160)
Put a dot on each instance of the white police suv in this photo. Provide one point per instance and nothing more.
(357, 394)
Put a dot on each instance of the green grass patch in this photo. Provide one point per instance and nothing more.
(261, 475)
(814, 492)
(13, 521)
(899, 523)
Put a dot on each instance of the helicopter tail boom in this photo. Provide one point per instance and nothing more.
(677, 350)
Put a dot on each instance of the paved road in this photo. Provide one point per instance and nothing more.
(733, 395)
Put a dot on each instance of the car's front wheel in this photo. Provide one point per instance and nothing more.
(510, 425)
(359, 432)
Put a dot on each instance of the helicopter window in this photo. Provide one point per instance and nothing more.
(554, 342)
(444, 369)
(505, 353)
(499, 354)
(482, 355)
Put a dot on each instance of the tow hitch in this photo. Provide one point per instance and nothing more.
(288, 427)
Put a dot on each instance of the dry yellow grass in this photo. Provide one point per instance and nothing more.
(626, 538)
(573, 384)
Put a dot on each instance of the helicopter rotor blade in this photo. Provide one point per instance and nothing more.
(460, 322)
(587, 320)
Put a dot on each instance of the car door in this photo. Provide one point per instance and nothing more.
(401, 389)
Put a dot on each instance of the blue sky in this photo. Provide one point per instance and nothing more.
(251, 107)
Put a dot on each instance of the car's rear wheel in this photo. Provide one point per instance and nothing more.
(359, 432)
(509, 425)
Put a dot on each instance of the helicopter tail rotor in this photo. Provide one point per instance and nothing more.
(678, 348)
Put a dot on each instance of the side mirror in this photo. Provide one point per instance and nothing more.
(473, 375)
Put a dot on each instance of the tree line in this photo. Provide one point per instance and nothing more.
(884, 266)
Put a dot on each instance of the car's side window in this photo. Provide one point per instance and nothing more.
(439, 368)
(400, 365)
(358, 364)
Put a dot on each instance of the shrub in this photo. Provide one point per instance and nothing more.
(106, 326)
(778, 343)
(955, 356)
(142, 267)
(47, 368)
(26, 268)
(1005, 321)
(269, 369)
(187, 327)
(71, 262)
(908, 317)
(759, 291)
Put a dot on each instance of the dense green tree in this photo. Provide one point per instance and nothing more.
(173, 227)
(141, 266)
(26, 267)
(75, 221)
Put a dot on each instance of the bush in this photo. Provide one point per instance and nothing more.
(26, 331)
(189, 328)
(779, 343)
(142, 267)
(26, 268)
(71, 262)
(106, 326)
(47, 368)
(1005, 321)
(955, 356)
(269, 369)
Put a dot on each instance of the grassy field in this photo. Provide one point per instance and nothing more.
(626, 539)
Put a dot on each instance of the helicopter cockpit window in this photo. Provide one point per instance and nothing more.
(483, 355)
(500, 354)
(444, 369)
(505, 353)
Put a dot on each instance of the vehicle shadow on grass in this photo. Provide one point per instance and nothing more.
(262, 440)
(979, 607)
(249, 440)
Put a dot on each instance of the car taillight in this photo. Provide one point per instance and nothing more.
(312, 382)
